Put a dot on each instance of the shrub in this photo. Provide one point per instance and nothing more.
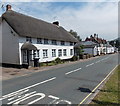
(58, 60)
(74, 58)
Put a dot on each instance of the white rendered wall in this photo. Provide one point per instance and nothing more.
(49, 47)
(10, 41)
(88, 50)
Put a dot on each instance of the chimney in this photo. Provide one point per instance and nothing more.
(8, 7)
(56, 23)
(95, 35)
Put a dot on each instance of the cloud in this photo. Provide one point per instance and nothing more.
(101, 18)
(87, 18)
(60, 0)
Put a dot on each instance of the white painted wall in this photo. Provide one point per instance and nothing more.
(49, 46)
(12, 43)
(110, 50)
(10, 52)
(92, 51)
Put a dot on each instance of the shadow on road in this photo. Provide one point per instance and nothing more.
(86, 90)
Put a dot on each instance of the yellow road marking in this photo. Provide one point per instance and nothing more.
(97, 86)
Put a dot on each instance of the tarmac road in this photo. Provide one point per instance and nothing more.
(67, 85)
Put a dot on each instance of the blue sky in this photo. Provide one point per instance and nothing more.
(85, 18)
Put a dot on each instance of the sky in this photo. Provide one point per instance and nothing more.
(86, 18)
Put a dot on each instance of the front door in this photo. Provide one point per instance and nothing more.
(27, 57)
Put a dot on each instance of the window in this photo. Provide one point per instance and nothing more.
(71, 51)
(29, 39)
(36, 54)
(71, 44)
(62, 43)
(64, 52)
(45, 53)
(60, 52)
(54, 42)
(39, 41)
(45, 41)
(53, 53)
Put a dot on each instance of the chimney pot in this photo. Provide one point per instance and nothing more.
(8, 7)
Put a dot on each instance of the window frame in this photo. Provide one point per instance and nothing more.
(59, 52)
(39, 41)
(64, 52)
(46, 41)
(53, 52)
(45, 53)
(62, 42)
(54, 42)
(28, 39)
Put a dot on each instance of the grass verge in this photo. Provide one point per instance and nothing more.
(109, 94)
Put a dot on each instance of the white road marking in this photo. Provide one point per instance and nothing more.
(21, 98)
(97, 86)
(53, 97)
(101, 60)
(73, 71)
(17, 95)
(89, 64)
(16, 92)
(65, 101)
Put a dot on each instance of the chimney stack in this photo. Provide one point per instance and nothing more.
(8, 7)
(56, 23)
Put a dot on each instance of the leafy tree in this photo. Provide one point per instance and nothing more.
(115, 43)
(81, 49)
(75, 34)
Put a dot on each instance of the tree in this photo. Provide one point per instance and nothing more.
(75, 34)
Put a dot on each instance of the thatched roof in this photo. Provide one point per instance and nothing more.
(28, 46)
(28, 26)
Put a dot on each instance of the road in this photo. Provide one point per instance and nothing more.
(71, 84)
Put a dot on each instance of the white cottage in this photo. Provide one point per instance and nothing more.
(90, 47)
(26, 39)
(109, 49)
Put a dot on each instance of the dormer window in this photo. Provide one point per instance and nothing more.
(54, 42)
(39, 41)
(71, 43)
(29, 39)
(46, 41)
(62, 43)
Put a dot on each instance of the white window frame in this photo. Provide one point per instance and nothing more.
(45, 53)
(39, 41)
(53, 52)
(29, 39)
(65, 52)
(60, 53)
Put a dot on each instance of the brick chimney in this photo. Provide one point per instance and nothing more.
(8, 7)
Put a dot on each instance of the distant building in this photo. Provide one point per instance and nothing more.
(26, 39)
(109, 48)
(100, 41)
(90, 48)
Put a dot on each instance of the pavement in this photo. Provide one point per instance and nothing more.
(8, 73)
(73, 83)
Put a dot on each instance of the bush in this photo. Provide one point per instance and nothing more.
(58, 60)
(74, 58)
